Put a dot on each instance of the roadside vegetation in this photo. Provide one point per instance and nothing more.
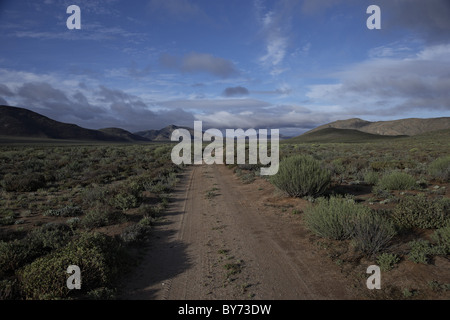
(381, 203)
(86, 205)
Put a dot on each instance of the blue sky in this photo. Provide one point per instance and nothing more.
(290, 65)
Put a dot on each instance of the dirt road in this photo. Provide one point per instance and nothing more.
(223, 239)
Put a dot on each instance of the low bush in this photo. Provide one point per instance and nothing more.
(94, 194)
(23, 182)
(74, 222)
(152, 211)
(125, 201)
(371, 177)
(164, 183)
(372, 233)
(100, 258)
(381, 165)
(439, 169)
(420, 251)
(15, 254)
(333, 218)
(9, 289)
(441, 239)
(68, 211)
(7, 218)
(341, 218)
(50, 236)
(421, 212)
(387, 261)
(101, 215)
(136, 233)
(397, 180)
(125, 196)
(102, 293)
(301, 175)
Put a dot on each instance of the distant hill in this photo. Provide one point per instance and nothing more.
(166, 133)
(20, 122)
(123, 134)
(432, 136)
(334, 135)
(409, 127)
(163, 134)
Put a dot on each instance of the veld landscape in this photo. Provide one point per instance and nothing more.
(342, 200)
(103, 102)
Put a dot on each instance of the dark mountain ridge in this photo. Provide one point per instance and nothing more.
(20, 122)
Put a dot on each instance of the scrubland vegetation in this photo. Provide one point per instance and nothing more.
(85, 205)
(384, 202)
(94, 206)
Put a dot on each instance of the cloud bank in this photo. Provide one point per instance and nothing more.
(200, 63)
(392, 86)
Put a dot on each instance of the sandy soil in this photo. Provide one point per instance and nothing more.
(223, 239)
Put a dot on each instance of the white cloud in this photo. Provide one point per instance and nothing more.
(274, 27)
(438, 52)
(274, 116)
(392, 86)
(275, 51)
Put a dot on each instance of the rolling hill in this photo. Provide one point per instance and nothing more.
(334, 135)
(409, 127)
(163, 134)
(123, 134)
(20, 122)
(23, 123)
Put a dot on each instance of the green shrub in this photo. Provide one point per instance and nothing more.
(73, 222)
(146, 221)
(439, 169)
(14, 254)
(420, 251)
(101, 215)
(94, 194)
(23, 182)
(125, 196)
(333, 218)
(7, 218)
(50, 236)
(372, 233)
(164, 183)
(102, 293)
(68, 211)
(125, 201)
(100, 258)
(387, 261)
(337, 166)
(420, 212)
(380, 165)
(9, 289)
(441, 238)
(136, 233)
(162, 152)
(300, 176)
(371, 177)
(397, 181)
(152, 211)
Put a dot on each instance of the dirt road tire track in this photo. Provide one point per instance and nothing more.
(220, 240)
